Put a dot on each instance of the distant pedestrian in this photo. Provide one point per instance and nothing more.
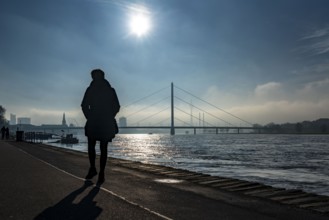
(3, 131)
(7, 133)
(100, 105)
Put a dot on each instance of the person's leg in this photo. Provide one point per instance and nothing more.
(92, 158)
(92, 151)
(103, 160)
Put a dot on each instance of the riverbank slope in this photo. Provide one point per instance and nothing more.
(44, 182)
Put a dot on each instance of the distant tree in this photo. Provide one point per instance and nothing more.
(257, 128)
(269, 127)
(324, 128)
(299, 127)
(2, 115)
(320, 125)
(273, 128)
(278, 128)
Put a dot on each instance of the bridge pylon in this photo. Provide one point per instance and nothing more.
(172, 129)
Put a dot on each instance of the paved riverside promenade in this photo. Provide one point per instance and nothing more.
(43, 182)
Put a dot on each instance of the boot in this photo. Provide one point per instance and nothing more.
(101, 178)
(91, 173)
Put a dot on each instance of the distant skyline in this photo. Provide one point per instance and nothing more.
(264, 61)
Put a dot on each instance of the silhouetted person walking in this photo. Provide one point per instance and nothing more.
(3, 132)
(7, 133)
(100, 105)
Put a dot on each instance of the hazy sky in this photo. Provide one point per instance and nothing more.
(264, 61)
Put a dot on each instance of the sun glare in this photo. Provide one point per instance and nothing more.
(140, 24)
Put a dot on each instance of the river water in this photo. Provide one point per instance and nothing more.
(288, 161)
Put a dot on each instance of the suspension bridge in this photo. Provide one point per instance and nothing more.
(138, 115)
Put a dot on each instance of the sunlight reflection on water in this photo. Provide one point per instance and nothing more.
(290, 161)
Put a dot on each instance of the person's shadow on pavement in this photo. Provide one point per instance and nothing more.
(66, 209)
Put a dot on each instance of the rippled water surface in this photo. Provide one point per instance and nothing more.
(289, 161)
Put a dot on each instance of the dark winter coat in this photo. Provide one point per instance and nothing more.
(100, 105)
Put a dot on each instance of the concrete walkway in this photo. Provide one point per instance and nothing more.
(43, 182)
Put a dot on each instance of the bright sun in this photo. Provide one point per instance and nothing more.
(140, 24)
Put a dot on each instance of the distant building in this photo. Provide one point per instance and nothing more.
(63, 125)
(12, 119)
(23, 121)
(64, 121)
(122, 122)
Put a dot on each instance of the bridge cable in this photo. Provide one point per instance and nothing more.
(145, 97)
(204, 111)
(192, 115)
(146, 107)
(162, 121)
(151, 116)
(183, 121)
(214, 106)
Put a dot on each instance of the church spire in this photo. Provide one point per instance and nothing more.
(64, 120)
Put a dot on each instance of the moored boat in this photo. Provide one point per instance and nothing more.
(69, 139)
